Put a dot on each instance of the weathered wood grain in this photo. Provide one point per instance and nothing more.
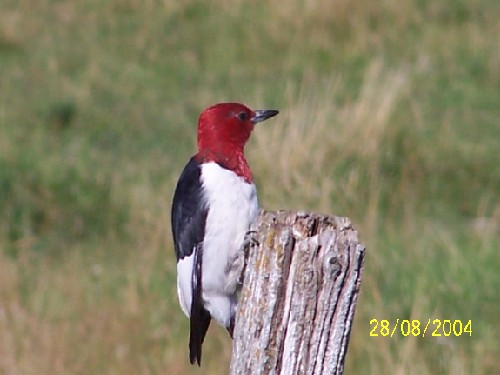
(298, 297)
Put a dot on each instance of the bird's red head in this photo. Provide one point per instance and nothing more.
(223, 131)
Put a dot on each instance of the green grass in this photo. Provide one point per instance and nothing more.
(389, 115)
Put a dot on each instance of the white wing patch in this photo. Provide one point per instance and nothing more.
(184, 290)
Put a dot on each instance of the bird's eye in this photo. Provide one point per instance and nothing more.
(242, 116)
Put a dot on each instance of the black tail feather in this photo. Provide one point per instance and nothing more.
(200, 318)
(199, 327)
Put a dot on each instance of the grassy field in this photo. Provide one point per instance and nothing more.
(390, 114)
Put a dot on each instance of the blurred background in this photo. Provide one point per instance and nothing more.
(389, 115)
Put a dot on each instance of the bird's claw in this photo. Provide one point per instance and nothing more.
(236, 265)
(250, 240)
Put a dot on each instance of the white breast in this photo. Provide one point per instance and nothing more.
(232, 207)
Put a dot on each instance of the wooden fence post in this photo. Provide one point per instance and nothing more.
(299, 294)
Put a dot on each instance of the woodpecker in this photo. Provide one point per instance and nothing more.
(214, 203)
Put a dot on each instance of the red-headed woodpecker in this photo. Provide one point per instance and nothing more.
(213, 206)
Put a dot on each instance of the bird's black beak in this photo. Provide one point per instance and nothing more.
(263, 114)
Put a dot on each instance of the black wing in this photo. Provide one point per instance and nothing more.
(189, 214)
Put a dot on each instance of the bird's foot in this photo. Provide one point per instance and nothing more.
(250, 240)
(236, 265)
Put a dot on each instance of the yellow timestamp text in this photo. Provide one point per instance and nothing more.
(417, 328)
